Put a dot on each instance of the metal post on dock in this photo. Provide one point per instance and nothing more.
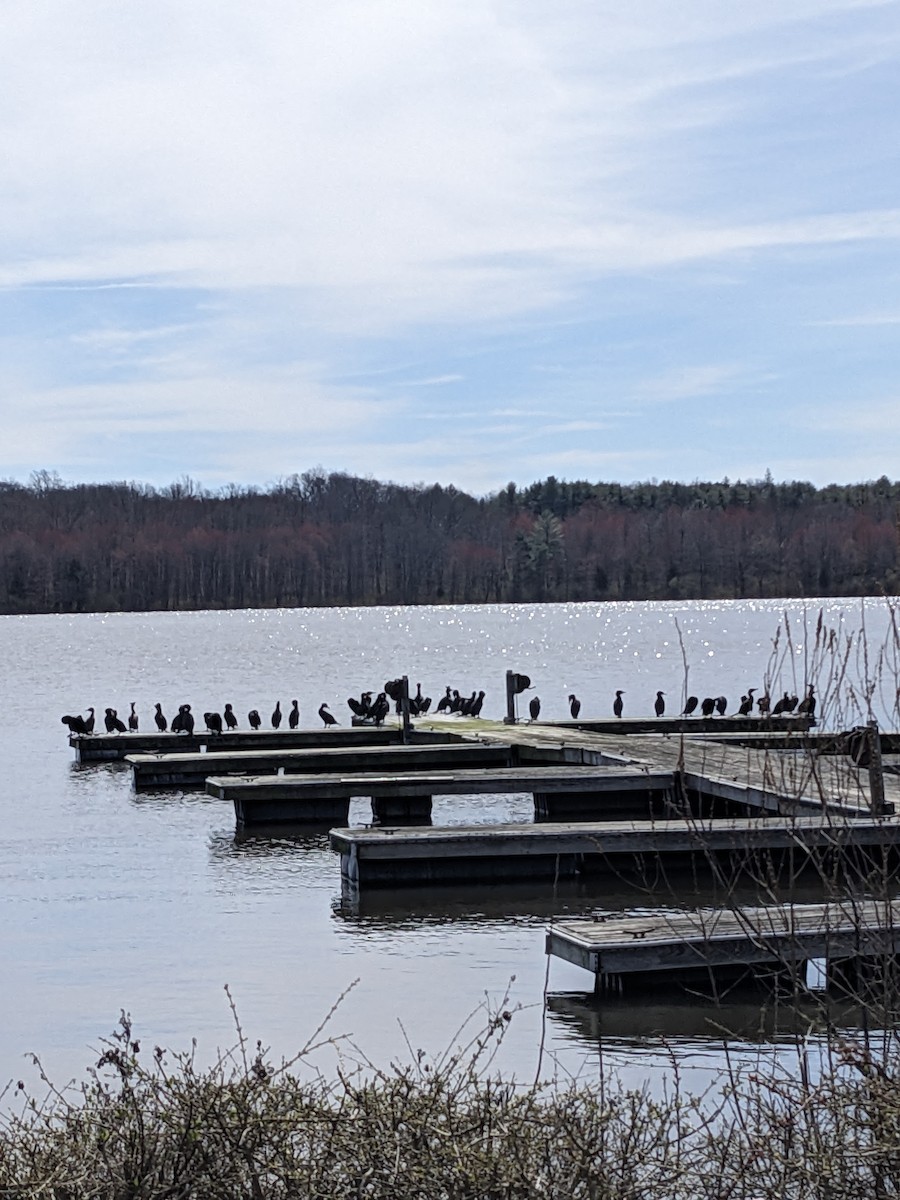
(404, 710)
(876, 769)
(510, 718)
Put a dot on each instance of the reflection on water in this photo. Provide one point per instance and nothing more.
(674, 1016)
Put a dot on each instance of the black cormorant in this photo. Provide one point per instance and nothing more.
(133, 719)
(276, 715)
(690, 706)
(161, 723)
(254, 720)
(708, 706)
(294, 714)
(213, 722)
(475, 710)
(534, 707)
(89, 722)
(659, 705)
(76, 724)
(230, 718)
(445, 701)
(618, 706)
(721, 705)
(808, 704)
(327, 718)
(574, 706)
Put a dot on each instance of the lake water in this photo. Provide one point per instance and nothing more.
(150, 903)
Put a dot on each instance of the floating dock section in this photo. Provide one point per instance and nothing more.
(714, 948)
(477, 853)
(408, 796)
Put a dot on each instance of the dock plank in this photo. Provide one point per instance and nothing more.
(398, 856)
(666, 941)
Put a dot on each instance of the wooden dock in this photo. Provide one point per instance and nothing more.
(631, 850)
(719, 945)
(718, 776)
(154, 772)
(408, 796)
(110, 747)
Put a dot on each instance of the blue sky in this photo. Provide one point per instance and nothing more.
(464, 242)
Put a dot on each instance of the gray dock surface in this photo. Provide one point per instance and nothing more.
(400, 856)
(709, 938)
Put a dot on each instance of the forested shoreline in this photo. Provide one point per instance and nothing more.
(321, 539)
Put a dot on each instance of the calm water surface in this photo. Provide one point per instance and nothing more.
(150, 903)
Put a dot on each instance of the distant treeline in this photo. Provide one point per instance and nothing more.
(328, 539)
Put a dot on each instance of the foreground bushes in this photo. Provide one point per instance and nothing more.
(144, 1127)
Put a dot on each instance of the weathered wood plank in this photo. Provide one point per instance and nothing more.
(158, 771)
(108, 747)
(709, 938)
(399, 857)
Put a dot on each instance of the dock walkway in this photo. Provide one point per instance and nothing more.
(716, 942)
(278, 798)
(469, 853)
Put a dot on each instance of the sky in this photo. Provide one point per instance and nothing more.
(465, 242)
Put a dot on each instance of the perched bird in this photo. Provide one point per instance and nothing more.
(574, 706)
(465, 709)
(746, 707)
(534, 707)
(659, 705)
(133, 719)
(276, 715)
(253, 719)
(230, 718)
(358, 707)
(808, 704)
(89, 722)
(690, 706)
(782, 706)
(294, 714)
(76, 724)
(213, 722)
(762, 704)
(380, 708)
(327, 718)
(112, 722)
(445, 701)
(707, 706)
(475, 710)
(456, 703)
(721, 705)
(161, 723)
(183, 721)
(618, 706)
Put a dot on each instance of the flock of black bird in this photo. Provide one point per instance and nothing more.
(374, 711)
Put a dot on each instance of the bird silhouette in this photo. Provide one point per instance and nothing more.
(112, 722)
(89, 722)
(659, 705)
(276, 715)
(721, 705)
(534, 707)
(133, 719)
(574, 706)
(253, 719)
(746, 707)
(690, 706)
(294, 715)
(76, 724)
(230, 718)
(618, 706)
(161, 723)
(213, 721)
(708, 706)
(327, 718)
(808, 704)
